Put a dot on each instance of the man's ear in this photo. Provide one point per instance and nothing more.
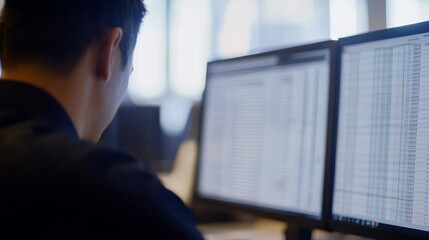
(108, 53)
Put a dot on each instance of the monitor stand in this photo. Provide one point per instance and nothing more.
(294, 232)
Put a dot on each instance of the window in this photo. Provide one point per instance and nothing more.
(234, 27)
(180, 36)
(189, 47)
(247, 26)
(148, 82)
(348, 17)
(291, 22)
(400, 12)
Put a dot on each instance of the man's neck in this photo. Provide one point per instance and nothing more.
(70, 90)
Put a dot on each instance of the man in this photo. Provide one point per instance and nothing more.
(66, 65)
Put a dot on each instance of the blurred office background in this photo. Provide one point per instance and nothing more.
(179, 37)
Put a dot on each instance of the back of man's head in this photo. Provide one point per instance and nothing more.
(57, 33)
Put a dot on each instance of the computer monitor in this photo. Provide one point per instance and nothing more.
(263, 135)
(382, 154)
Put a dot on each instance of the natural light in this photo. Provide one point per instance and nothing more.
(148, 81)
(170, 57)
(400, 12)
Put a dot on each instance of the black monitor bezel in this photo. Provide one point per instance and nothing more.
(383, 231)
(295, 218)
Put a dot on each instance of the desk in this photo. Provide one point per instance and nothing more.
(260, 229)
(264, 229)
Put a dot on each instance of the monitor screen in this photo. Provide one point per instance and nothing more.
(382, 157)
(264, 130)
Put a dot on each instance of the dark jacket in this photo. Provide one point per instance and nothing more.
(55, 186)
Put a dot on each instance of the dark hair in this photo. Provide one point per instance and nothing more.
(58, 32)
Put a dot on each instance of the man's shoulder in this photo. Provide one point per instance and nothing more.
(72, 181)
(37, 156)
(43, 154)
(37, 142)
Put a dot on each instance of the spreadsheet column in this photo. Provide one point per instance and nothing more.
(421, 175)
(248, 114)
